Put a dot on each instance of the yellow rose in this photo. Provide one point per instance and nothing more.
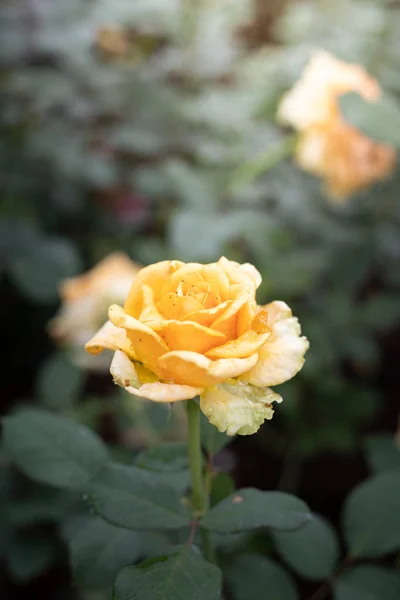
(85, 302)
(192, 329)
(328, 146)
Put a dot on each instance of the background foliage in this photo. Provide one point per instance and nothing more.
(149, 126)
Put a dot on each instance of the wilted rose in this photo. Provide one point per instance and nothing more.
(328, 146)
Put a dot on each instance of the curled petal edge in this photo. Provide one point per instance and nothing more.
(135, 381)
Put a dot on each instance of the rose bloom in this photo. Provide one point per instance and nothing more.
(192, 329)
(85, 302)
(328, 146)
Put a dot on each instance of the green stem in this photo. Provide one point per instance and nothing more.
(262, 162)
(199, 495)
(196, 458)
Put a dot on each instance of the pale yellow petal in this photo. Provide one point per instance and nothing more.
(245, 345)
(282, 355)
(187, 335)
(165, 392)
(147, 344)
(123, 371)
(240, 273)
(110, 337)
(237, 408)
(131, 377)
(252, 273)
(191, 368)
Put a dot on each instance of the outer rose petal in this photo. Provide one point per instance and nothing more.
(191, 368)
(239, 273)
(237, 408)
(125, 375)
(110, 337)
(282, 356)
(187, 335)
(147, 345)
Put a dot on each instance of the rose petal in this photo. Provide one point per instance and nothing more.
(110, 337)
(243, 346)
(240, 273)
(282, 356)
(227, 323)
(149, 310)
(235, 408)
(191, 368)
(123, 371)
(172, 306)
(208, 316)
(126, 375)
(165, 392)
(187, 335)
(252, 273)
(147, 345)
(154, 276)
(246, 315)
(187, 274)
(217, 277)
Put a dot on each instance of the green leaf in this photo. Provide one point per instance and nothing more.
(379, 120)
(59, 382)
(29, 554)
(367, 583)
(250, 508)
(382, 453)
(183, 575)
(99, 550)
(167, 458)
(312, 551)
(251, 577)
(52, 449)
(136, 499)
(212, 440)
(371, 519)
(170, 461)
(222, 487)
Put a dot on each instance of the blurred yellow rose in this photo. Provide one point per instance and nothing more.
(192, 329)
(328, 146)
(85, 302)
